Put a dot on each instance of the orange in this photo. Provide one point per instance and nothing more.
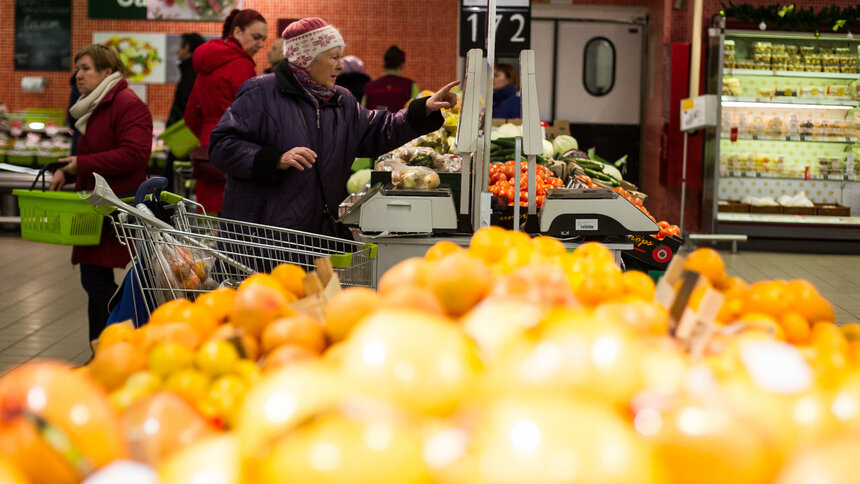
(170, 311)
(218, 302)
(300, 329)
(763, 323)
(600, 283)
(184, 311)
(732, 283)
(115, 333)
(593, 252)
(802, 297)
(638, 284)
(10, 473)
(796, 327)
(114, 364)
(247, 345)
(707, 262)
(732, 308)
(828, 336)
(851, 331)
(347, 308)
(414, 297)
(459, 280)
(411, 271)
(768, 297)
(259, 303)
(489, 244)
(292, 277)
(270, 281)
(181, 333)
(548, 246)
(286, 354)
(441, 249)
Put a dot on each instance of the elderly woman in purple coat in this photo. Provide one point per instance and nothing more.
(288, 141)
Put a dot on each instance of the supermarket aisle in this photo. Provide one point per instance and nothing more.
(43, 307)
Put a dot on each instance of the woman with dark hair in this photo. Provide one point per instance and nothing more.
(506, 103)
(222, 66)
(391, 91)
(115, 142)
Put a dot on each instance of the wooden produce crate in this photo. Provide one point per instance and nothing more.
(799, 210)
(766, 209)
(732, 206)
(833, 210)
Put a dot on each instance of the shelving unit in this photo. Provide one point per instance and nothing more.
(782, 132)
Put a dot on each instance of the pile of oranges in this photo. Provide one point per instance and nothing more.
(512, 360)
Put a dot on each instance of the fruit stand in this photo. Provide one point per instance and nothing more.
(510, 360)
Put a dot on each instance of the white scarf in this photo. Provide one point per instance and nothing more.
(83, 109)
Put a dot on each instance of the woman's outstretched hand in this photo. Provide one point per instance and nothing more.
(442, 99)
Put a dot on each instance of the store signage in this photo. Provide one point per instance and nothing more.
(513, 26)
(118, 9)
(208, 10)
(43, 35)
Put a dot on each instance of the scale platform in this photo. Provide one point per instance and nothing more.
(407, 211)
(572, 212)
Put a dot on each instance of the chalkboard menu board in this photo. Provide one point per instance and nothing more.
(43, 35)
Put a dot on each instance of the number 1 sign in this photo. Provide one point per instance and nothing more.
(513, 32)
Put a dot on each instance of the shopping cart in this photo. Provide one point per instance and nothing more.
(183, 183)
(196, 253)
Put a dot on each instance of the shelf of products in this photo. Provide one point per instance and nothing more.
(773, 73)
(788, 102)
(789, 129)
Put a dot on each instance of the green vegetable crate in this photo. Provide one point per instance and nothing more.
(58, 218)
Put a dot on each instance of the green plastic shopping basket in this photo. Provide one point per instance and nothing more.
(57, 217)
(179, 139)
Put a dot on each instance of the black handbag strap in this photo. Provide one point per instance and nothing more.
(326, 210)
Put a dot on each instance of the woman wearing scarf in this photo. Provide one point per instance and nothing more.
(115, 142)
(288, 140)
(222, 66)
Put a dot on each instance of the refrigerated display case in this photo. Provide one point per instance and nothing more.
(788, 126)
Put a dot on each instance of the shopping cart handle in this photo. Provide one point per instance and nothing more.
(153, 185)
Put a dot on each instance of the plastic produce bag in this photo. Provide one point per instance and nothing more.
(414, 177)
(798, 200)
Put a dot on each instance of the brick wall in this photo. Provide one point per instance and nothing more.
(368, 27)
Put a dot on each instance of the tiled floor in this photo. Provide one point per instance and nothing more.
(43, 308)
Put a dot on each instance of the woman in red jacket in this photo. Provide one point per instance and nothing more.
(222, 66)
(115, 142)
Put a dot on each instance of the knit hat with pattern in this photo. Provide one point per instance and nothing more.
(307, 38)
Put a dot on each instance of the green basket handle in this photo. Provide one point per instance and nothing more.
(45, 169)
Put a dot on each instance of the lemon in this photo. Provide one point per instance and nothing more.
(216, 357)
(188, 383)
(167, 358)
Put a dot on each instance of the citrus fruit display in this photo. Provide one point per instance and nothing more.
(512, 360)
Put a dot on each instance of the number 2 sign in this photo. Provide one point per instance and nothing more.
(513, 32)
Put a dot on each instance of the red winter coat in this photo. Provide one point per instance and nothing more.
(222, 66)
(117, 147)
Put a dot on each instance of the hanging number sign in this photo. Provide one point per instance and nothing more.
(513, 26)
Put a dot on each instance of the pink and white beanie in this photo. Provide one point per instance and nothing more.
(307, 38)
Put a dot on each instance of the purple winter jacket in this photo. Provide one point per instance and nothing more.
(264, 122)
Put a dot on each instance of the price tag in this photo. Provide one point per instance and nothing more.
(750, 174)
(513, 31)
